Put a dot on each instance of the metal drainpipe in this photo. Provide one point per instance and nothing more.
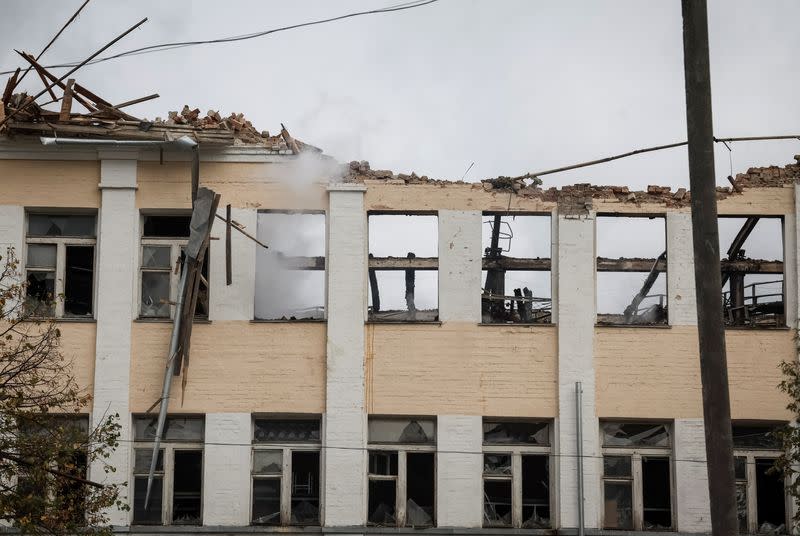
(182, 142)
(579, 433)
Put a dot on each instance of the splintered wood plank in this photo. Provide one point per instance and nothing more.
(66, 103)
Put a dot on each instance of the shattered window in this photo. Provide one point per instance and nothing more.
(631, 270)
(516, 474)
(176, 490)
(60, 265)
(290, 275)
(751, 252)
(755, 437)
(637, 460)
(516, 432)
(289, 467)
(403, 474)
(164, 239)
(516, 281)
(403, 268)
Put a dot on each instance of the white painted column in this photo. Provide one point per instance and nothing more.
(691, 480)
(117, 260)
(791, 270)
(459, 476)
(12, 235)
(460, 266)
(681, 301)
(226, 469)
(576, 317)
(234, 302)
(345, 420)
(554, 266)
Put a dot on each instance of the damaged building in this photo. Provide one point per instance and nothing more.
(359, 376)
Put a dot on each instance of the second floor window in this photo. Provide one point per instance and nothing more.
(176, 495)
(402, 472)
(286, 483)
(59, 265)
(163, 241)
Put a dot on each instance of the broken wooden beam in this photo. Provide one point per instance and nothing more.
(228, 270)
(10, 85)
(410, 284)
(66, 102)
(373, 287)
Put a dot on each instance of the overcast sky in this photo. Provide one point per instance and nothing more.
(513, 86)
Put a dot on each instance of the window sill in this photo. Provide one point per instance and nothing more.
(145, 320)
(395, 322)
(63, 320)
(629, 326)
(521, 324)
(757, 328)
(288, 321)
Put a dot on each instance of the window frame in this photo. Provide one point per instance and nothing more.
(401, 478)
(636, 480)
(176, 244)
(517, 451)
(286, 448)
(167, 474)
(61, 242)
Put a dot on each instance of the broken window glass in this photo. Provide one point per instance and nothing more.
(78, 281)
(175, 428)
(770, 498)
(740, 471)
(156, 257)
(535, 492)
(40, 293)
(187, 487)
(402, 431)
(617, 466)
(382, 501)
(420, 489)
(166, 226)
(267, 501)
(657, 504)
(512, 432)
(618, 509)
(61, 225)
(383, 463)
(155, 294)
(305, 488)
(497, 464)
(755, 437)
(497, 503)
(267, 462)
(626, 434)
(286, 430)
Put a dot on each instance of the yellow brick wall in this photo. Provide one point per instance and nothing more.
(462, 369)
(50, 183)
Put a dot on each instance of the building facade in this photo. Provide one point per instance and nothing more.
(454, 412)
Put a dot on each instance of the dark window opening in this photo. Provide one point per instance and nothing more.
(516, 282)
(305, 488)
(631, 270)
(657, 513)
(267, 501)
(755, 437)
(403, 268)
(751, 251)
(618, 505)
(770, 498)
(187, 487)
(201, 307)
(420, 486)
(40, 293)
(78, 280)
(166, 226)
(497, 464)
(152, 514)
(740, 471)
(383, 463)
(535, 492)
(634, 434)
(382, 500)
(513, 432)
(497, 503)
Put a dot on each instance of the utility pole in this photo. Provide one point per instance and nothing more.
(708, 279)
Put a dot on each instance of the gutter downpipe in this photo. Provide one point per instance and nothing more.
(579, 429)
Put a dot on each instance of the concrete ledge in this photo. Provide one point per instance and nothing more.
(255, 529)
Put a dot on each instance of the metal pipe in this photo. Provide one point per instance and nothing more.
(579, 439)
(182, 142)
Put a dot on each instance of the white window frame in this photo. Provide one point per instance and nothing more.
(751, 475)
(636, 454)
(401, 479)
(517, 451)
(286, 450)
(168, 478)
(61, 243)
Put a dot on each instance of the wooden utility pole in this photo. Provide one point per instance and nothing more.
(708, 279)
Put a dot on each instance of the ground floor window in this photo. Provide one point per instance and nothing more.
(637, 476)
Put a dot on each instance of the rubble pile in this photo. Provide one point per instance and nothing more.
(769, 177)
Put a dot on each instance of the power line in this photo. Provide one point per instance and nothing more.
(181, 44)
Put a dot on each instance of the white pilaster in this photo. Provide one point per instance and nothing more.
(345, 420)
(12, 235)
(459, 482)
(226, 469)
(234, 302)
(117, 261)
(576, 292)
(791, 256)
(681, 300)
(554, 267)
(459, 266)
(691, 480)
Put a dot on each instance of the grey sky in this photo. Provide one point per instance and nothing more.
(513, 86)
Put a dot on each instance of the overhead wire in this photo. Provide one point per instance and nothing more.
(181, 44)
